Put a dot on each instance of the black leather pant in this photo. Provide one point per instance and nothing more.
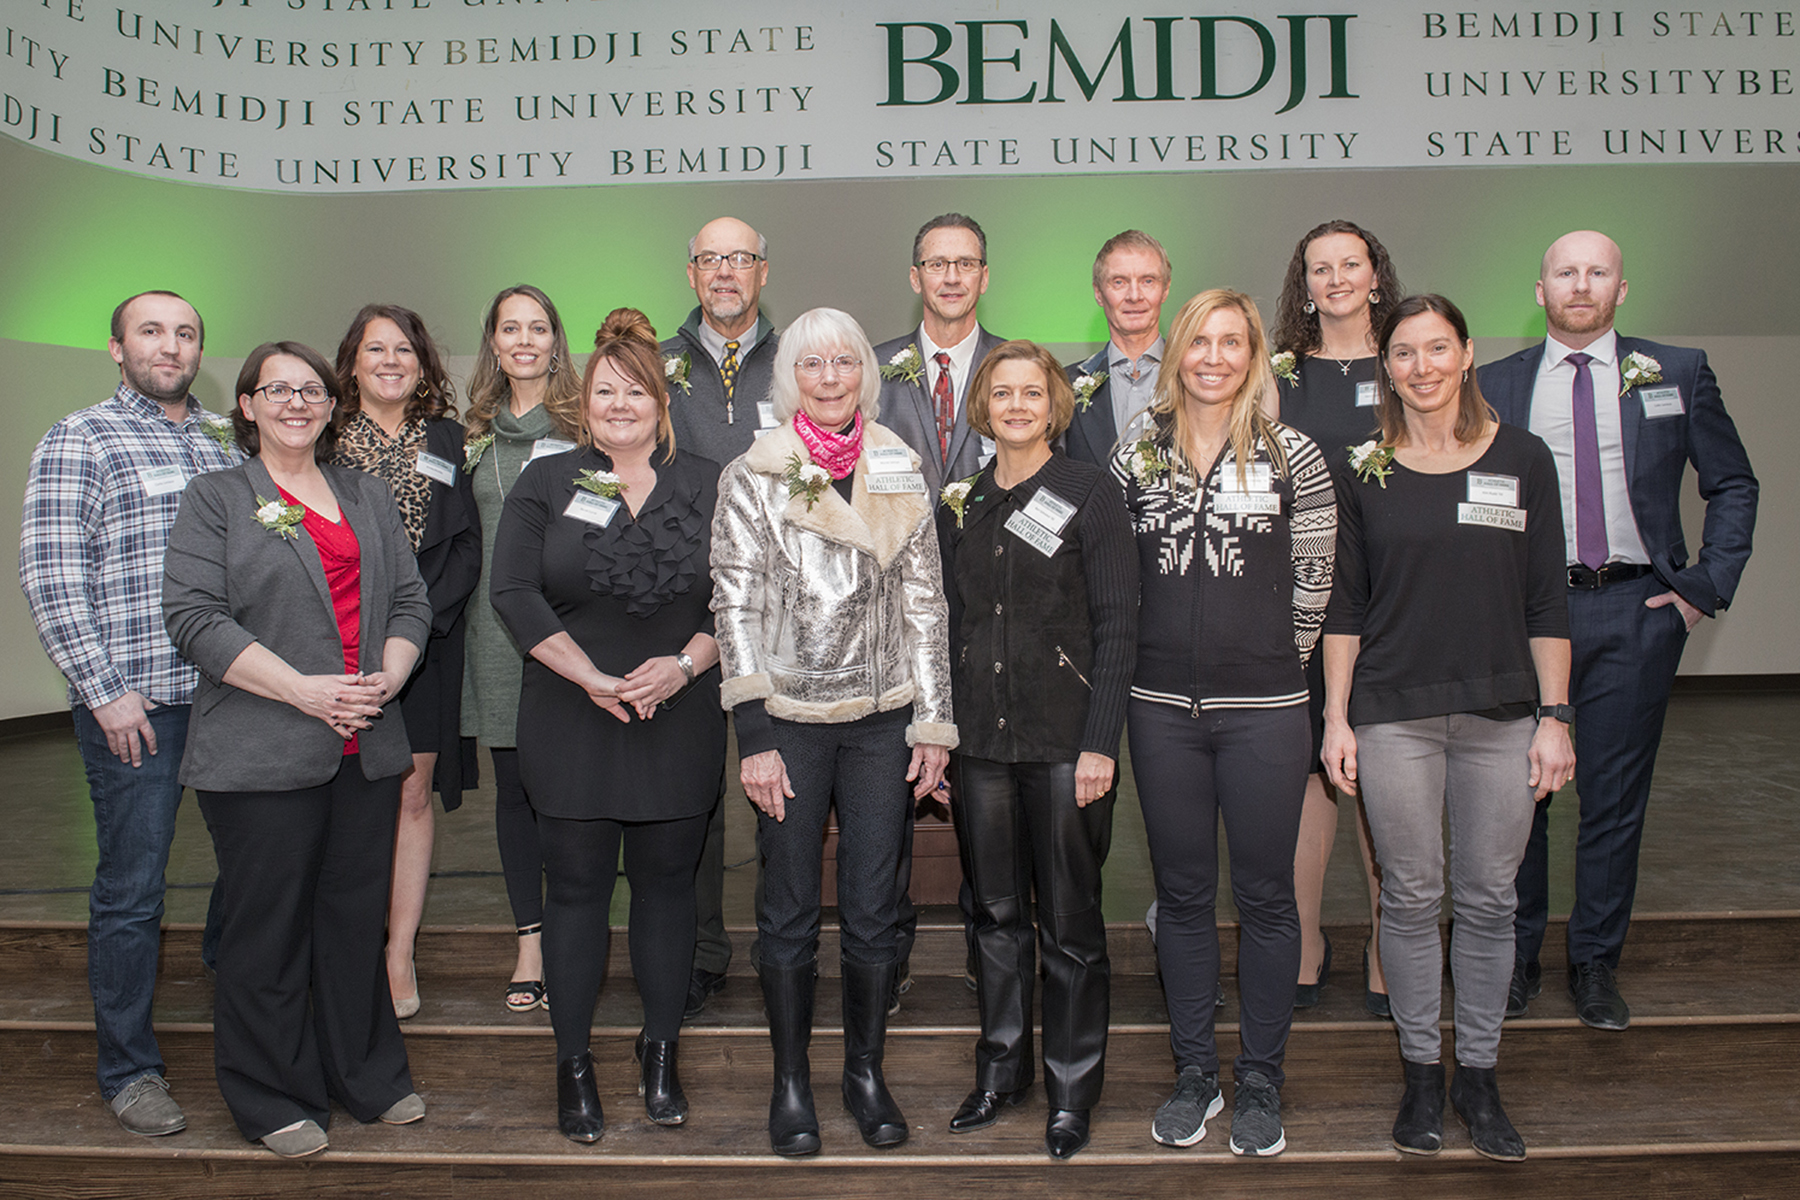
(1020, 824)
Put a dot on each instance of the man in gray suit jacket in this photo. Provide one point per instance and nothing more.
(1131, 281)
(923, 394)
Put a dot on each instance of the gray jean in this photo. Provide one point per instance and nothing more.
(1476, 772)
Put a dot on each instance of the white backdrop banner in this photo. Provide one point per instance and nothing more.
(408, 95)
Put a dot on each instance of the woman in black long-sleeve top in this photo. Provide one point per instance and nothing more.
(1236, 521)
(397, 423)
(1042, 582)
(601, 570)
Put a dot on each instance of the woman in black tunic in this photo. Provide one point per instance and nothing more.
(602, 571)
(1338, 282)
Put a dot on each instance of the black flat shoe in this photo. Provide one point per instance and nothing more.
(1306, 995)
(1374, 1003)
(578, 1112)
(1066, 1132)
(982, 1109)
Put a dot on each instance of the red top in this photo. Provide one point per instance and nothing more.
(341, 556)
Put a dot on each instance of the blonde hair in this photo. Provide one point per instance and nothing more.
(1248, 420)
(489, 386)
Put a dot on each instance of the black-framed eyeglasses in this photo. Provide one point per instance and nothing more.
(965, 266)
(743, 260)
(281, 393)
(813, 365)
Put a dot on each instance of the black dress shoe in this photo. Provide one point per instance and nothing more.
(1374, 1003)
(982, 1109)
(1596, 997)
(1527, 983)
(578, 1113)
(1066, 1132)
(701, 986)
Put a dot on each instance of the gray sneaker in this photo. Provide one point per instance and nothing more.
(144, 1107)
(1256, 1117)
(1181, 1121)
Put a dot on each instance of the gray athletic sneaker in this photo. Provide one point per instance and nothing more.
(1181, 1121)
(1256, 1117)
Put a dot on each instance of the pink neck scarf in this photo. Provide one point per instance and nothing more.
(836, 452)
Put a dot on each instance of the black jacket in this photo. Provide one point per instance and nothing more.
(1041, 648)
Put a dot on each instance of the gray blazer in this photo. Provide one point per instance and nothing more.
(228, 582)
(906, 408)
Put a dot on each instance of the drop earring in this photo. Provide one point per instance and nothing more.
(1309, 308)
(1374, 298)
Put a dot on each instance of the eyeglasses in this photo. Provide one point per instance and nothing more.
(281, 393)
(813, 365)
(937, 266)
(743, 260)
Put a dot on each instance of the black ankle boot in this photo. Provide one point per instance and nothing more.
(866, 990)
(658, 1084)
(1419, 1129)
(788, 996)
(1476, 1096)
(578, 1112)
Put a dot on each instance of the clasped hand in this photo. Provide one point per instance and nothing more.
(347, 703)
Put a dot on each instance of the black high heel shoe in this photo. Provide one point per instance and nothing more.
(1374, 1003)
(1306, 995)
(664, 1101)
(578, 1113)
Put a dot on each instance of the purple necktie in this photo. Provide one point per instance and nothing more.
(1590, 503)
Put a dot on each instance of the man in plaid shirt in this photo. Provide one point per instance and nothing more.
(102, 493)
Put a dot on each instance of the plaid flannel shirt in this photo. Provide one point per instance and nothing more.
(91, 546)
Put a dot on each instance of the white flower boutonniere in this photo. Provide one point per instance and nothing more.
(805, 479)
(475, 448)
(1146, 463)
(1085, 386)
(675, 371)
(907, 365)
(1286, 366)
(280, 516)
(601, 483)
(1637, 370)
(1372, 461)
(219, 430)
(956, 495)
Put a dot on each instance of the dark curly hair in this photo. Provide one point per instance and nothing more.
(436, 396)
(1296, 330)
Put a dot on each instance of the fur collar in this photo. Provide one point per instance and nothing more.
(878, 525)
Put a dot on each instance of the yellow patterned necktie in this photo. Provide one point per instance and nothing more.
(728, 373)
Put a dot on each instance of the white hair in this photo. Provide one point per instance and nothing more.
(824, 331)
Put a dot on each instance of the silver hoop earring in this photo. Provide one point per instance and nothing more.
(1465, 377)
(1310, 308)
(553, 364)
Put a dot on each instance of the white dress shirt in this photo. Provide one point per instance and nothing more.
(1553, 419)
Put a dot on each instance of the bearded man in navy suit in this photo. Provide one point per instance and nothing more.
(1624, 417)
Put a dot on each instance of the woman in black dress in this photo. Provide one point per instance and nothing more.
(1041, 573)
(602, 572)
(397, 422)
(1337, 282)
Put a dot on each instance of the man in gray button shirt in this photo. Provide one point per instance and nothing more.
(1131, 281)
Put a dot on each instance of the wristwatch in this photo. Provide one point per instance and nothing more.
(687, 667)
(1561, 712)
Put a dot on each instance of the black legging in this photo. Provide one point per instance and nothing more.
(515, 828)
(581, 859)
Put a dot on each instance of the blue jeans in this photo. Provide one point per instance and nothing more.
(134, 823)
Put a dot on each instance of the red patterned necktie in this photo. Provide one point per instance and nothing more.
(945, 403)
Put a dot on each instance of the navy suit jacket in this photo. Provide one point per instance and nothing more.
(1657, 451)
(907, 409)
(1091, 434)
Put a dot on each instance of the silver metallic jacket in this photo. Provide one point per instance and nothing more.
(834, 611)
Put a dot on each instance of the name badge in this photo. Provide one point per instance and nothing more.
(160, 481)
(1260, 503)
(1033, 534)
(883, 485)
(1257, 477)
(765, 414)
(757, 433)
(1492, 515)
(544, 447)
(595, 510)
(1661, 402)
(1049, 510)
(1494, 489)
(889, 460)
(440, 469)
(1365, 394)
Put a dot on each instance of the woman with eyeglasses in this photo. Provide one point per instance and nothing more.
(290, 583)
(524, 403)
(831, 626)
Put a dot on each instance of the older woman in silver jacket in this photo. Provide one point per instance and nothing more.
(832, 635)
